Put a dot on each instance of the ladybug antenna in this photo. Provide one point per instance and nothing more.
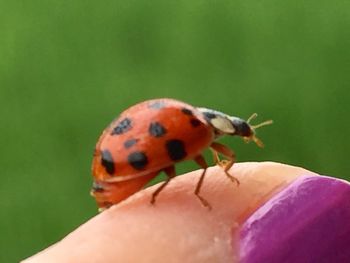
(253, 128)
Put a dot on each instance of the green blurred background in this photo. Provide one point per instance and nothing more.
(67, 68)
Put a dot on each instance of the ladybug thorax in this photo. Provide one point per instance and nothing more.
(224, 124)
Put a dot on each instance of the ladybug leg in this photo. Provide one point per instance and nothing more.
(170, 173)
(216, 157)
(202, 163)
(225, 151)
(225, 164)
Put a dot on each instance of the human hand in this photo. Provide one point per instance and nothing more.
(279, 213)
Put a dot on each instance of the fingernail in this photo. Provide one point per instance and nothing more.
(308, 221)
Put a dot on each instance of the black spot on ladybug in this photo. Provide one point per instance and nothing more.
(156, 129)
(129, 143)
(96, 187)
(122, 127)
(157, 105)
(209, 115)
(107, 161)
(187, 111)
(195, 122)
(176, 149)
(138, 160)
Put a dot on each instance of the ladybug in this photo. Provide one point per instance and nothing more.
(151, 137)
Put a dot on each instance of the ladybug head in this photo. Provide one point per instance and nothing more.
(224, 124)
(246, 130)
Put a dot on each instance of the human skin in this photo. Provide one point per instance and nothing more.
(177, 228)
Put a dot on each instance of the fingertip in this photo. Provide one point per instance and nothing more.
(178, 226)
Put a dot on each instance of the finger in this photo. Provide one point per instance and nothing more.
(177, 228)
(307, 221)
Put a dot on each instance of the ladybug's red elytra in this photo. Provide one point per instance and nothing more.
(151, 137)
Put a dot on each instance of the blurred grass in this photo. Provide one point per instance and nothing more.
(68, 68)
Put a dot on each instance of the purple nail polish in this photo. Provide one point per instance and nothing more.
(308, 221)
